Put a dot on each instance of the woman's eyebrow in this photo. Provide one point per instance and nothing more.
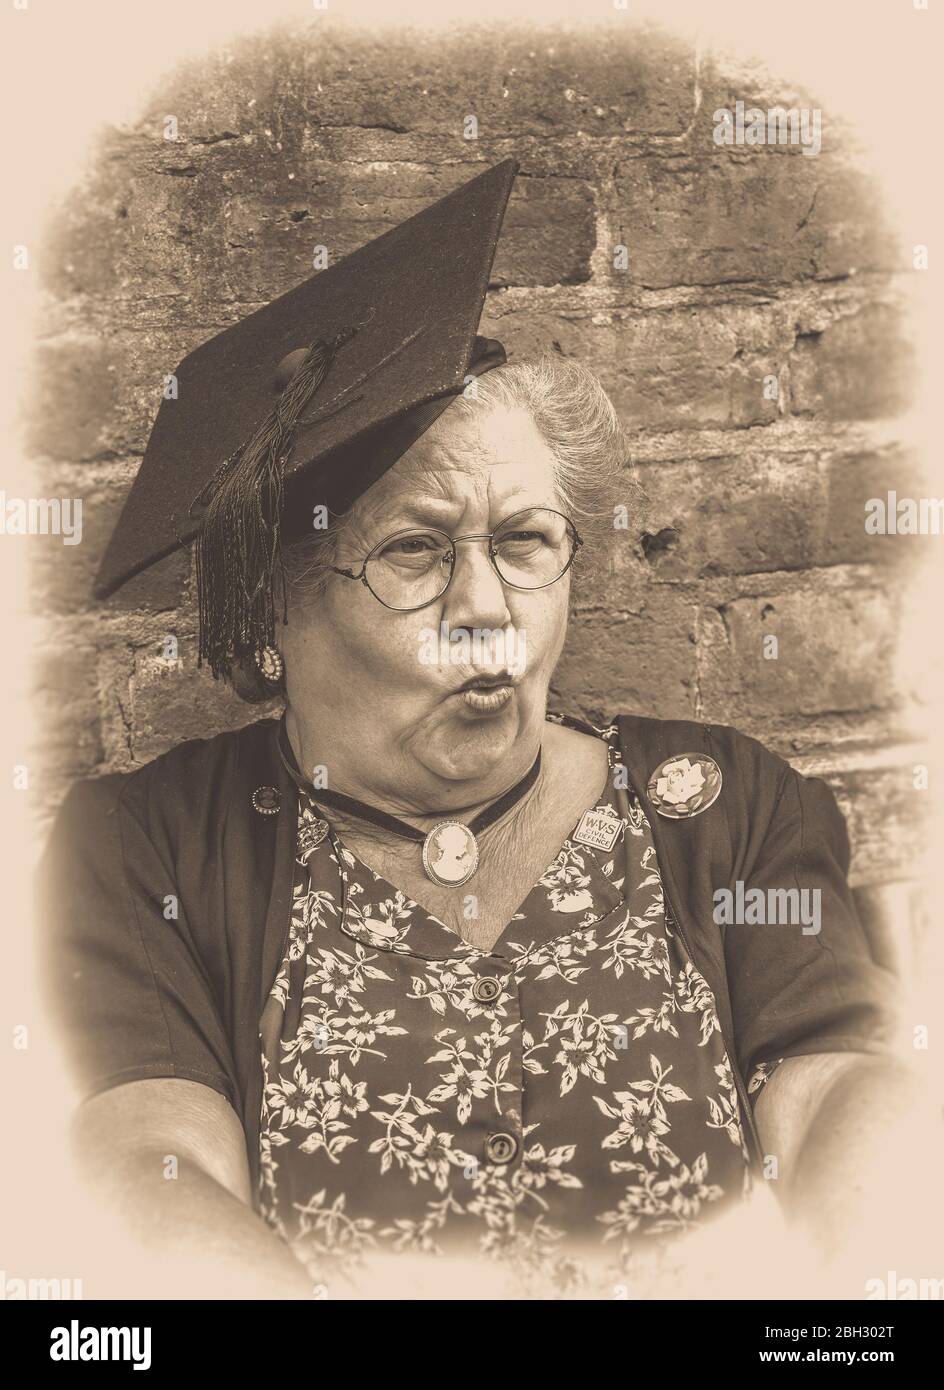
(439, 513)
(407, 513)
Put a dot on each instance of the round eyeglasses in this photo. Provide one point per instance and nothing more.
(529, 550)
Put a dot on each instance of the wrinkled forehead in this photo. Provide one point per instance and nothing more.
(496, 450)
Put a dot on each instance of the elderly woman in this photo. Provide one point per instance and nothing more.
(421, 966)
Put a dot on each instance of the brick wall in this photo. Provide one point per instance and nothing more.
(743, 264)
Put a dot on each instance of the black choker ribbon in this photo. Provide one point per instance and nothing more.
(450, 849)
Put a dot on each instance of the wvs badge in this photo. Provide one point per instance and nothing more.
(599, 828)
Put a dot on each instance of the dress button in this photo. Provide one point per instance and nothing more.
(486, 990)
(501, 1148)
(267, 800)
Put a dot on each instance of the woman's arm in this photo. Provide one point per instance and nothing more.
(196, 1232)
(132, 993)
(859, 1154)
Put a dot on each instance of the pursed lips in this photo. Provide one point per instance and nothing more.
(487, 693)
(488, 682)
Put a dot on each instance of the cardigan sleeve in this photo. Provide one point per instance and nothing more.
(120, 973)
(802, 980)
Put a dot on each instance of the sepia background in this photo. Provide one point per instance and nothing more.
(744, 264)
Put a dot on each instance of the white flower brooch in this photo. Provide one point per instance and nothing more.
(685, 785)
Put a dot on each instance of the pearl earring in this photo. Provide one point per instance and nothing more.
(270, 663)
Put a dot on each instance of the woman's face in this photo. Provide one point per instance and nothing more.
(373, 679)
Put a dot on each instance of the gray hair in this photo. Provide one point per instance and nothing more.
(576, 419)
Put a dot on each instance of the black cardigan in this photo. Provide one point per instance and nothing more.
(165, 901)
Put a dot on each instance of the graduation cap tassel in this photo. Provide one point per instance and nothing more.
(238, 547)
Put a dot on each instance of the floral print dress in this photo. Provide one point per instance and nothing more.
(568, 1088)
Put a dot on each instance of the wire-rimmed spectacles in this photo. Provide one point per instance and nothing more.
(531, 549)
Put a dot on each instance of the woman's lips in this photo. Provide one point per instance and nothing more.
(487, 694)
(486, 699)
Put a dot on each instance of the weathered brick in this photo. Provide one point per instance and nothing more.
(830, 733)
(769, 509)
(674, 369)
(634, 654)
(84, 236)
(851, 482)
(836, 650)
(887, 820)
(610, 80)
(728, 76)
(548, 235)
(148, 226)
(573, 156)
(65, 573)
(160, 219)
(731, 217)
(743, 514)
(272, 228)
(174, 701)
(97, 396)
(860, 367)
(78, 388)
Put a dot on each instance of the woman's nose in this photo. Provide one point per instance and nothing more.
(476, 596)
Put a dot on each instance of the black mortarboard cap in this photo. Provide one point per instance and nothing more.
(309, 400)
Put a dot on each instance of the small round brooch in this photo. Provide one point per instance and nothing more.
(685, 785)
(267, 800)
